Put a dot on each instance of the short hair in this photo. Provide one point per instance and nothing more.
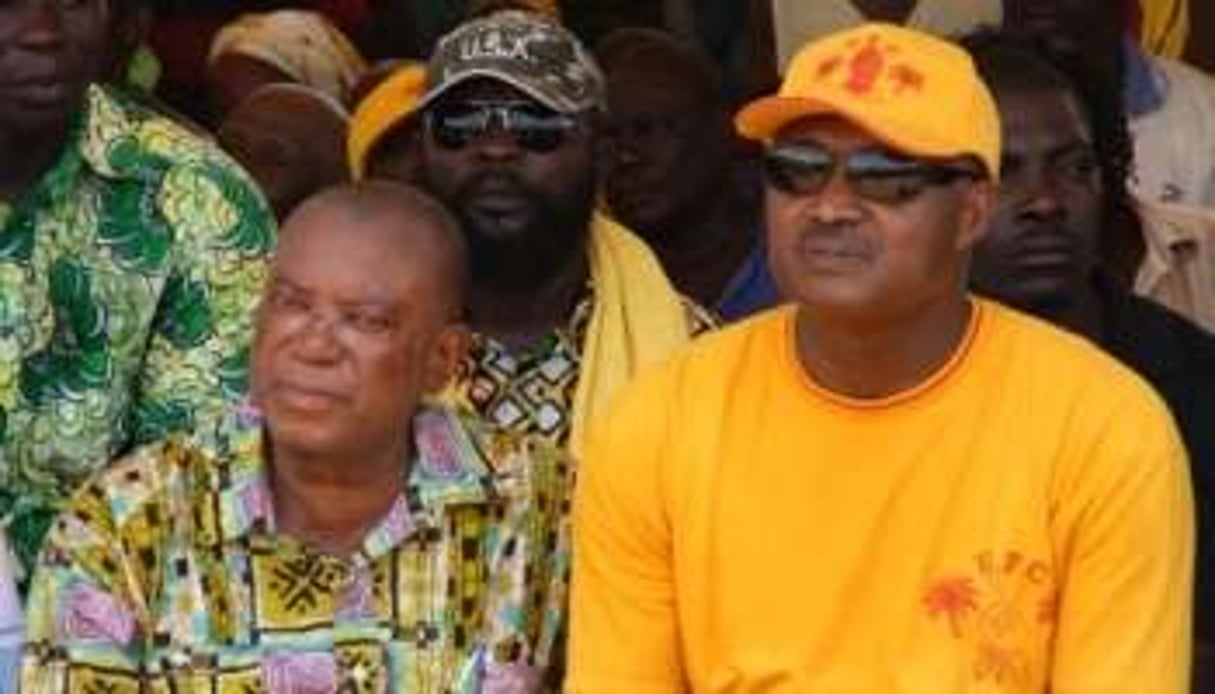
(665, 54)
(1010, 61)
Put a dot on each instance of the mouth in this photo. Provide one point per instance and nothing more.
(39, 92)
(834, 253)
(1046, 249)
(305, 399)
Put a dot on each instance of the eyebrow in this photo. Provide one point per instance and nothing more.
(281, 282)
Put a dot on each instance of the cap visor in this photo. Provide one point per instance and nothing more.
(482, 73)
(763, 118)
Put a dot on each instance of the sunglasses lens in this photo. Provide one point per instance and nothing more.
(799, 170)
(537, 130)
(884, 178)
(531, 127)
(453, 128)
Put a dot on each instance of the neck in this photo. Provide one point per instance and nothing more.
(879, 359)
(517, 316)
(1081, 314)
(331, 502)
(702, 250)
(26, 157)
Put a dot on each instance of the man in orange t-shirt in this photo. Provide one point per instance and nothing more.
(891, 485)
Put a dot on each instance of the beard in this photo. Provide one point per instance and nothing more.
(524, 244)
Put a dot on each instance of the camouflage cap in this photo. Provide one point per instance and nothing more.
(527, 50)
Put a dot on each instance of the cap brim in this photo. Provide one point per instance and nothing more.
(438, 91)
(764, 118)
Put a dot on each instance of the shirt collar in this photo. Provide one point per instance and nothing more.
(450, 468)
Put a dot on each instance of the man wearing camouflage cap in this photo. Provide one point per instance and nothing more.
(565, 304)
(891, 485)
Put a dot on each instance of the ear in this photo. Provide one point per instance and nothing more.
(977, 208)
(446, 354)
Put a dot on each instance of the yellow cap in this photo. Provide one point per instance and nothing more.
(918, 94)
(390, 104)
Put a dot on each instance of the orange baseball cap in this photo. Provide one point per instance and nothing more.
(915, 92)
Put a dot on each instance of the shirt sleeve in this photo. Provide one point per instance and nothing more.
(1125, 528)
(198, 351)
(624, 627)
(81, 626)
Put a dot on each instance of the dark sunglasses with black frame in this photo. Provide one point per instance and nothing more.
(533, 127)
(876, 175)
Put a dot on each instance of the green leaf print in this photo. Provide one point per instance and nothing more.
(253, 234)
(130, 226)
(77, 358)
(185, 317)
(155, 420)
(72, 297)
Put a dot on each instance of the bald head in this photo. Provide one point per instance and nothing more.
(397, 222)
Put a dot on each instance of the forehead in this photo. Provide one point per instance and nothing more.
(1041, 117)
(338, 247)
(634, 90)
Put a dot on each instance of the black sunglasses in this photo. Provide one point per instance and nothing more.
(531, 126)
(804, 168)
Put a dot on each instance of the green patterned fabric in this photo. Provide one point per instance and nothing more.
(128, 279)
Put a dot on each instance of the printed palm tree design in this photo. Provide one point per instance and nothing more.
(954, 597)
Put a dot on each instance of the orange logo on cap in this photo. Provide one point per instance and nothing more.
(869, 67)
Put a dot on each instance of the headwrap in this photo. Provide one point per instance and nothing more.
(303, 45)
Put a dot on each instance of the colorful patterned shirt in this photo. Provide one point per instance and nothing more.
(128, 277)
(532, 391)
(165, 572)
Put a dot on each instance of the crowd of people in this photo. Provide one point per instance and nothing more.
(521, 346)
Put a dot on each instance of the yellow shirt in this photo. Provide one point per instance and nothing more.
(1021, 522)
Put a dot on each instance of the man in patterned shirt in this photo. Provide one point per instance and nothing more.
(131, 253)
(320, 543)
(565, 303)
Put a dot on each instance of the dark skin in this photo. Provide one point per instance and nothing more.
(895, 11)
(670, 178)
(232, 78)
(49, 53)
(290, 141)
(879, 288)
(357, 322)
(1041, 254)
(519, 209)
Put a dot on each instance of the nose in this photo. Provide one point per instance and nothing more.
(496, 144)
(1042, 198)
(626, 152)
(836, 203)
(317, 343)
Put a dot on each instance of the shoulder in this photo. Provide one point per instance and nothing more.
(1185, 85)
(1050, 363)
(702, 376)
(128, 140)
(136, 493)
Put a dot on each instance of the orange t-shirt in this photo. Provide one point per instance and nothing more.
(1021, 522)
